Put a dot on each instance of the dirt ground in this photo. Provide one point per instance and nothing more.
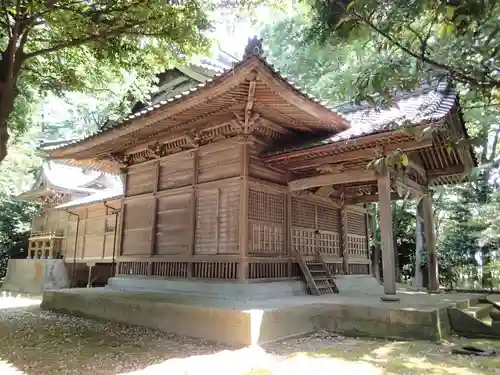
(36, 342)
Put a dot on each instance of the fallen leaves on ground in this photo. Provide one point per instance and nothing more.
(36, 342)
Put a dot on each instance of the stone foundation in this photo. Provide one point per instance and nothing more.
(35, 275)
(209, 289)
(258, 321)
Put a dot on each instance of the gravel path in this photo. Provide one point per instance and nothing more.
(37, 342)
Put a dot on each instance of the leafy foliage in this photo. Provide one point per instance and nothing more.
(455, 39)
(63, 45)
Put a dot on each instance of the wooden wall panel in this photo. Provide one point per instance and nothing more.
(262, 171)
(219, 161)
(108, 245)
(173, 226)
(140, 180)
(96, 211)
(137, 227)
(229, 211)
(176, 171)
(217, 219)
(94, 245)
(206, 225)
(95, 225)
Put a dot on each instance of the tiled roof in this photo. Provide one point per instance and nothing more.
(430, 103)
(190, 92)
(100, 196)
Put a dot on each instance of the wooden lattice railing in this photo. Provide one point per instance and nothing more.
(261, 270)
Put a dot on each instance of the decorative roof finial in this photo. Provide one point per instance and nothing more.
(253, 48)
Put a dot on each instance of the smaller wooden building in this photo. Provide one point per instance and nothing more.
(80, 211)
(247, 179)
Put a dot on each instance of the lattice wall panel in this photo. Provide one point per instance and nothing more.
(336, 268)
(356, 246)
(215, 270)
(315, 228)
(328, 243)
(266, 238)
(304, 241)
(170, 269)
(274, 270)
(359, 269)
(303, 213)
(356, 224)
(266, 206)
(328, 218)
(133, 268)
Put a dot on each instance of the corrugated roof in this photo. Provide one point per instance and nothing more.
(101, 196)
(430, 103)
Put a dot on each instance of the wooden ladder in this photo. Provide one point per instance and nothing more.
(318, 277)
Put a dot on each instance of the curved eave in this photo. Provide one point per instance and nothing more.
(216, 86)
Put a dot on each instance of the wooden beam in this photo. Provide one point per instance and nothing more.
(369, 198)
(415, 163)
(386, 234)
(355, 175)
(411, 185)
(324, 191)
(365, 153)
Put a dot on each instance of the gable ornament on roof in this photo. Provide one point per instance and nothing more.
(254, 47)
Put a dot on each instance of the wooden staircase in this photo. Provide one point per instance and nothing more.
(318, 277)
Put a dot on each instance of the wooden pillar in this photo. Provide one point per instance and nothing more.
(123, 177)
(430, 243)
(344, 241)
(154, 216)
(384, 193)
(375, 256)
(288, 226)
(192, 245)
(419, 246)
(243, 224)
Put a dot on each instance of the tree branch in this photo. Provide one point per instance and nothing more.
(455, 73)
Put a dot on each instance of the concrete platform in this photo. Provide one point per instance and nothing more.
(417, 315)
(35, 275)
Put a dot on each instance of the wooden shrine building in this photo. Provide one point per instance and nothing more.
(247, 179)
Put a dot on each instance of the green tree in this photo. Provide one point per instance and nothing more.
(65, 45)
(457, 39)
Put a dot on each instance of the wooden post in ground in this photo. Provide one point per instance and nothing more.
(430, 243)
(384, 191)
(419, 246)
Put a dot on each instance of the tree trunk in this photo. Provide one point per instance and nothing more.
(10, 66)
